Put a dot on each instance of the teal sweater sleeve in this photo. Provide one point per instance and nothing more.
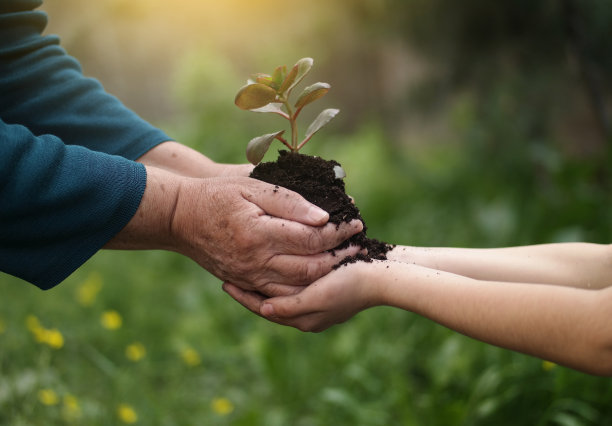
(68, 182)
(43, 88)
(59, 204)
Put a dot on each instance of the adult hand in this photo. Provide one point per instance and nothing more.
(258, 236)
(332, 299)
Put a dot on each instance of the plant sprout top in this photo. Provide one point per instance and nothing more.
(270, 93)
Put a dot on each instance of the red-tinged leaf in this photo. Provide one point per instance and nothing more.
(312, 93)
(304, 66)
(257, 147)
(254, 96)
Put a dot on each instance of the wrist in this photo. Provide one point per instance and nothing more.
(372, 281)
(386, 278)
(151, 225)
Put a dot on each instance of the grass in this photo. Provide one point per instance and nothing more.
(208, 361)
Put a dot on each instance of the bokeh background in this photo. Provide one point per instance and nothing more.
(470, 124)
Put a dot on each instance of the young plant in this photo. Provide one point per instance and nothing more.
(270, 93)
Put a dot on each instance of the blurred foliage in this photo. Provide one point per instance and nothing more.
(467, 123)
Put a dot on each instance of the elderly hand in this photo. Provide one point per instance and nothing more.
(255, 235)
(258, 236)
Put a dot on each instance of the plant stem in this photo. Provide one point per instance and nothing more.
(294, 142)
(284, 141)
(302, 143)
(293, 122)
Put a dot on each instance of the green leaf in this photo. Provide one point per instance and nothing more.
(254, 96)
(278, 76)
(312, 93)
(323, 118)
(257, 147)
(303, 67)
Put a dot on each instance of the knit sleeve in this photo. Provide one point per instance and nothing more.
(59, 204)
(43, 89)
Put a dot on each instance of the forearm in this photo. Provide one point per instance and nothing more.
(565, 325)
(180, 159)
(570, 264)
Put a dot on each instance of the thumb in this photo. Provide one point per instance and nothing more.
(283, 307)
(283, 203)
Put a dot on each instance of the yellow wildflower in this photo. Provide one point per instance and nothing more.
(32, 323)
(87, 292)
(111, 320)
(222, 406)
(548, 365)
(135, 352)
(191, 357)
(51, 337)
(71, 409)
(48, 397)
(127, 414)
(2, 326)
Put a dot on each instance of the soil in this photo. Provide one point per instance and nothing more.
(314, 179)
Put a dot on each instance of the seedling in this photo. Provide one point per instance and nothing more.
(271, 93)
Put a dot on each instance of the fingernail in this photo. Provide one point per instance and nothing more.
(267, 310)
(317, 214)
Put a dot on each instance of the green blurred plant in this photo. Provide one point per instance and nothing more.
(271, 93)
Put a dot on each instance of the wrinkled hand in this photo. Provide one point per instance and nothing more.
(258, 236)
(331, 300)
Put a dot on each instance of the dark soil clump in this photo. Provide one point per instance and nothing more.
(315, 180)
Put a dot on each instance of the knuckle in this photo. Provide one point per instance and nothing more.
(301, 272)
(308, 271)
(314, 242)
(315, 270)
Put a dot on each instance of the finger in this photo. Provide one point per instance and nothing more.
(253, 302)
(249, 299)
(293, 238)
(313, 322)
(286, 307)
(286, 311)
(283, 203)
(303, 270)
(277, 290)
(237, 170)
